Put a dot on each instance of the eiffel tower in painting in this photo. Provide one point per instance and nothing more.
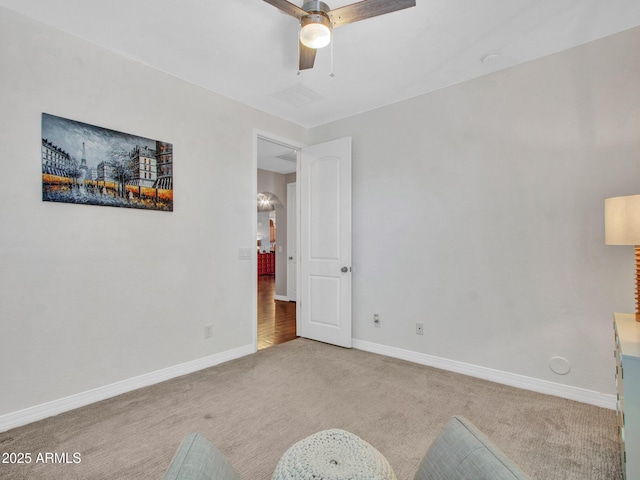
(83, 164)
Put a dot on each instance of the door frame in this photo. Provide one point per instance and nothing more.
(292, 237)
(297, 146)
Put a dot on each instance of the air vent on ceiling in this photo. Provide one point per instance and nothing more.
(298, 96)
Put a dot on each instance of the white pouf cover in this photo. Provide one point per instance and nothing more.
(333, 455)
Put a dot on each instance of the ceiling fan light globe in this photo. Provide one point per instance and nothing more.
(315, 31)
(315, 35)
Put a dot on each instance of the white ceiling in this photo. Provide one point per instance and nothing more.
(247, 49)
(275, 157)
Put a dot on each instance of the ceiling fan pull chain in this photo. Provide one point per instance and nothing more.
(331, 74)
(298, 42)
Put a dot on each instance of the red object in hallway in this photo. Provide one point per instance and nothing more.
(266, 263)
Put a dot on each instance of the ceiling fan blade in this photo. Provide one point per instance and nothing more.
(366, 9)
(307, 57)
(288, 8)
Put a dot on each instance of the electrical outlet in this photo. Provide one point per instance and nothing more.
(208, 331)
(376, 320)
(419, 328)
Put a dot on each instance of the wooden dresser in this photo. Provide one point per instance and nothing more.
(627, 338)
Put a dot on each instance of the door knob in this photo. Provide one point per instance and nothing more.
(290, 258)
(344, 269)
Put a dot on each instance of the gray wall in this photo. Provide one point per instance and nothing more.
(93, 295)
(478, 210)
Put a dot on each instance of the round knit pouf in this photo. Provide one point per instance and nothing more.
(333, 455)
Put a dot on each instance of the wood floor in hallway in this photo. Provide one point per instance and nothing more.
(276, 319)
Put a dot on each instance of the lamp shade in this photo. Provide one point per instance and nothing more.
(622, 220)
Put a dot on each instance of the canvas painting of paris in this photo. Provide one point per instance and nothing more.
(91, 165)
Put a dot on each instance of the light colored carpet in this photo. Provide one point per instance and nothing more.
(255, 407)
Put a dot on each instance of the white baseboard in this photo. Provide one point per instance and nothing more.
(39, 412)
(512, 379)
(282, 298)
(55, 407)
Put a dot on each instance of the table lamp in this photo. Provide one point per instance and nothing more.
(622, 227)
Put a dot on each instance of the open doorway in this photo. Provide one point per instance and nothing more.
(276, 174)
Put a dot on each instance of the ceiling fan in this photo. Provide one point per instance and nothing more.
(317, 20)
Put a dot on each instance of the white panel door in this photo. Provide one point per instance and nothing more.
(324, 180)
(292, 242)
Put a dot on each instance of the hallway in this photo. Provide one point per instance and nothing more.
(276, 319)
